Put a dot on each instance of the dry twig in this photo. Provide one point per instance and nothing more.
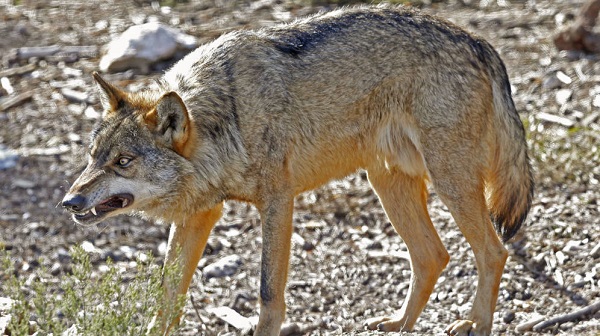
(576, 315)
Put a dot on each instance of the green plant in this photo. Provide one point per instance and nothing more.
(112, 303)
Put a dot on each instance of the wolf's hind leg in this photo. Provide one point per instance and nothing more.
(404, 198)
(460, 186)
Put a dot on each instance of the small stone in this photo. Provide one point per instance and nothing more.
(224, 267)
(563, 96)
(508, 317)
(55, 268)
(91, 113)
(88, 247)
(232, 317)
(596, 101)
(162, 248)
(213, 246)
(101, 25)
(74, 96)
(128, 252)
(23, 184)
(563, 77)
(8, 158)
(551, 83)
(555, 80)
(595, 252)
(545, 61)
(572, 246)
(74, 137)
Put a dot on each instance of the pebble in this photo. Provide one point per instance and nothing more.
(556, 80)
(75, 96)
(8, 158)
(213, 246)
(88, 247)
(162, 248)
(596, 101)
(595, 252)
(91, 113)
(223, 267)
(128, 251)
(23, 184)
(508, 317)
(563, 96)
(231, 317)
(300, 241)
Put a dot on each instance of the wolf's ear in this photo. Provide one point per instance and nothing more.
(171, 120)
(111, 96)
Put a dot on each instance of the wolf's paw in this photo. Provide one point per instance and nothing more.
(386, 323)
(466, 328)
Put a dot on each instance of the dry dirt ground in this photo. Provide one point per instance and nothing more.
(347, 263)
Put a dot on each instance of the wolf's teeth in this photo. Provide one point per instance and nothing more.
(125, 202)
(93, 210)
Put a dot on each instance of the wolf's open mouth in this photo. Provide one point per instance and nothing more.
(115, 202)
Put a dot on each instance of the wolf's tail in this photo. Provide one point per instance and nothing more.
(510, 184)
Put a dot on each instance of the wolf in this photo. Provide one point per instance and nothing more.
(261, 116)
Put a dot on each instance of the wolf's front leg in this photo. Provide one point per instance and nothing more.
(187, 240)
(276, 214)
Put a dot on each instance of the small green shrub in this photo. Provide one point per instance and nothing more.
(114, 303)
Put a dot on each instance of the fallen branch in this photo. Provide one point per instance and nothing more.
(555, 119)
(528, 325)
(15, 100)
(18, 70)
(57, 51)
(576, 315)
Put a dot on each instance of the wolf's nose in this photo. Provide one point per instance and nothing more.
(74, 202)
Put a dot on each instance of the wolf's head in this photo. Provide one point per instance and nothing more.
(138, 156)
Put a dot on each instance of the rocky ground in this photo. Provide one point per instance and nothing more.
(347, 262)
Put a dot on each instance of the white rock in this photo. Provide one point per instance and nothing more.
(91, 113)
(232, 317)
(142, 45)
(551, 82)
(223, 267)
(563, 96)
(563, 77)
(555, 80)
(596, 101)
(89, 247)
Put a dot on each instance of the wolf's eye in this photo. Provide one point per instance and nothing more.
(123, 161)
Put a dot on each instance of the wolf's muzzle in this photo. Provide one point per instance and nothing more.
(74, 203)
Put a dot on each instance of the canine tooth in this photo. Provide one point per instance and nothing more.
(93, 210)
(125, 202)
